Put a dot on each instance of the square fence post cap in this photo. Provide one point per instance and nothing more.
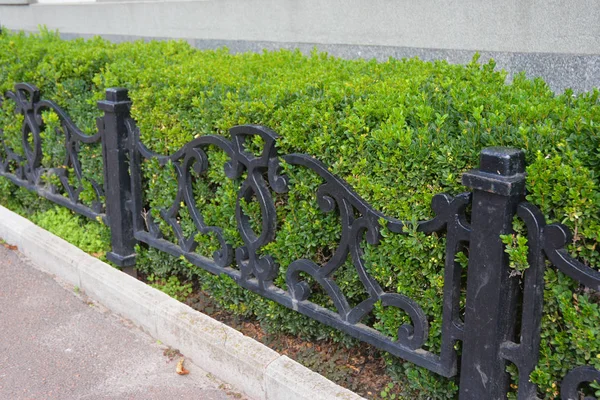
(117, 100)
(501, 171)
(504, 161)
(117, 94)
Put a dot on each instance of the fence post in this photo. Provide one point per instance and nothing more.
(117, 182)
(490, 313)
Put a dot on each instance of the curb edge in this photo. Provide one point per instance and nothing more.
(258, 371)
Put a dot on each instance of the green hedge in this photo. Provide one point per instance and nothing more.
(398, 131)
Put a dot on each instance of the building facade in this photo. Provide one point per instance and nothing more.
(558, 40)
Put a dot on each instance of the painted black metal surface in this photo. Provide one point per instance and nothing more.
(574, 379)
(255, 271)
(546, 242)
(498, 187)
(28, 171)
(117, 179)
(490, 334)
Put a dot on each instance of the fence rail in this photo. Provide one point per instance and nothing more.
(488, 331)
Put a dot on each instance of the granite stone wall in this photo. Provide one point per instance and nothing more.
(558, 40)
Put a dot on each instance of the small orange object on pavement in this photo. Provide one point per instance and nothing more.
(180, 368)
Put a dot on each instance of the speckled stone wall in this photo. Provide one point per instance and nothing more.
(558, 40)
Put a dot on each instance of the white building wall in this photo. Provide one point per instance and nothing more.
(543, 37)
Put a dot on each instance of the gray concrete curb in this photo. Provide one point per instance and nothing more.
(226, 353)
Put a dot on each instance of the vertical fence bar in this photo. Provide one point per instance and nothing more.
(490, 314)
(117, 182)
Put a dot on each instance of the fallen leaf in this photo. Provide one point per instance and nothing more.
(10, 246)
(180, 368)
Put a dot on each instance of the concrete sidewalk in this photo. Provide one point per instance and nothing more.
(55, 343)
(247, 365)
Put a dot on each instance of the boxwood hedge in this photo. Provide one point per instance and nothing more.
(398, 131)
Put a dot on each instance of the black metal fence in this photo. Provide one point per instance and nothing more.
(496, 306)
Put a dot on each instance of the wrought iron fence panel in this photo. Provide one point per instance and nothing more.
(27, 170)
(488, 328)
(256, 271)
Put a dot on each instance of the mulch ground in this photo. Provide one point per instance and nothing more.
(361, 369)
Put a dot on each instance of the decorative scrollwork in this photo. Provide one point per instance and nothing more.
(336, 194)
(358, 219)
(191, 157)
(259, 175)
(556, 237)
(250, 262)
(545, 242)
(28, 171)
(525, 354)
(569, 389)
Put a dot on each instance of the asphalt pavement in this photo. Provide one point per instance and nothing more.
(55, 343)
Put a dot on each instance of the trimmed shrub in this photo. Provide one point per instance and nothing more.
(398, 131)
